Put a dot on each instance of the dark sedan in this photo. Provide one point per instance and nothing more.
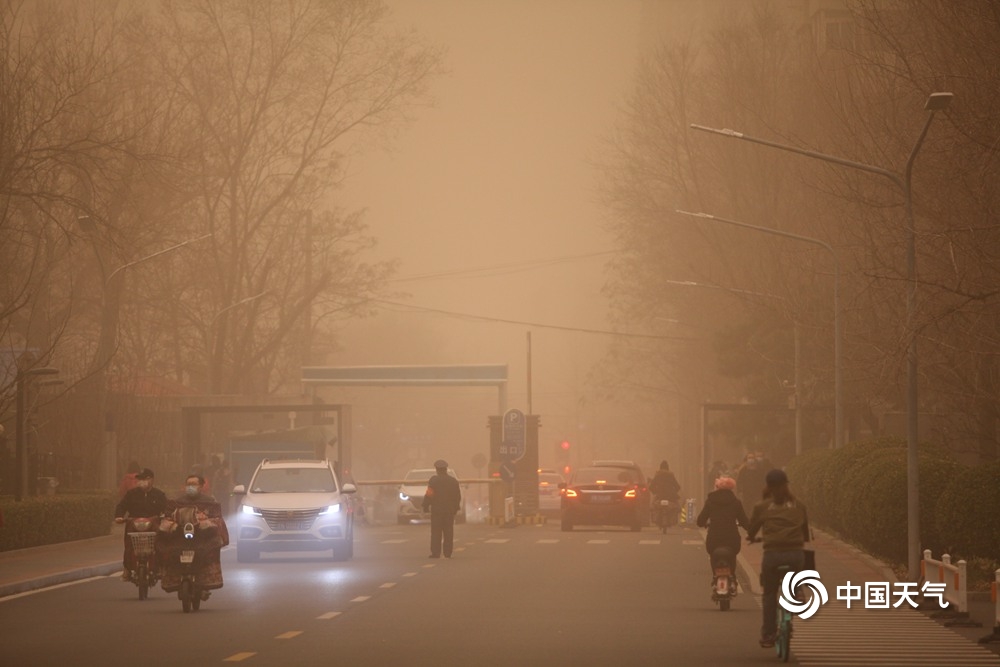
(602, 496)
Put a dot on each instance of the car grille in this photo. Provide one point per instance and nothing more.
(290, 519)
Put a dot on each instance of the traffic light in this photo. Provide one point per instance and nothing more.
(563, 449)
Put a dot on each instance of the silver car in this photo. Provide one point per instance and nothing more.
(411, 496)
(295, 505)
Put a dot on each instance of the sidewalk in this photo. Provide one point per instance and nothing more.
(38, 567)
(838, 562)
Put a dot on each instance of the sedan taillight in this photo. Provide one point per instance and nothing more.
(631, 493)
(569, 493)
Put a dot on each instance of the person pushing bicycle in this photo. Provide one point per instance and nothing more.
(783, 523)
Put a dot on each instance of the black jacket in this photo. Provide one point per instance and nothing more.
(443, 495)
(140, 502)
(665, 485)
(722, 513)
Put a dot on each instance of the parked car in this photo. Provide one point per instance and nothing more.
(549, 499)
(295, 505)
(645, 497)
(411, 496)
(602, 496)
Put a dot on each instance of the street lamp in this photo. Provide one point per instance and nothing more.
(21, 441)
(935, 102)
(838, 403)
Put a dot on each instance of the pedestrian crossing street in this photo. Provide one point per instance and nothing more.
(839, 637)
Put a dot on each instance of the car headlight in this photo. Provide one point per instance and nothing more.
(332, 509)
(403, 496)
(247, 509)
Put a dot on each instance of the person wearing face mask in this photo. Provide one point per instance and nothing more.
(210, 530)
(194, 491)
(144, 500)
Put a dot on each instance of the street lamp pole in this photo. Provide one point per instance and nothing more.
(838, 395)
(21, 441)
(935, 102)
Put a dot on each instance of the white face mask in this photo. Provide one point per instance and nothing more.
(191, 491)
(144, 484)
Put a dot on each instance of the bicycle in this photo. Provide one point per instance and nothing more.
(783, 640)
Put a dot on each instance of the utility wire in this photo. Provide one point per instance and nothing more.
(500, 320)
(502, 269)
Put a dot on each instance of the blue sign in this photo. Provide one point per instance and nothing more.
(512, 446)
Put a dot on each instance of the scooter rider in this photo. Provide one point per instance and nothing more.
(723, 513)
(211, 527)
(144, 500)
(664, 486)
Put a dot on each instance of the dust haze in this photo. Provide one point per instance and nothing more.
(488, 201)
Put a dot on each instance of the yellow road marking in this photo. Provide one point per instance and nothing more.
(237, 657)
(361, 598)
(328, 615)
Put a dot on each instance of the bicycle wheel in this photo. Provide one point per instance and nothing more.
(783, 643)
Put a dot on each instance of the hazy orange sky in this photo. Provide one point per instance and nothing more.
(500, 172)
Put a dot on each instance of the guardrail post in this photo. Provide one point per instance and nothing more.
(995, 598)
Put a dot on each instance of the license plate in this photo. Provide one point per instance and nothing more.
(600, 499)
(292, 525)
(187, 556)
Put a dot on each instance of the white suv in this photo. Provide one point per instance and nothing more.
(295, 505)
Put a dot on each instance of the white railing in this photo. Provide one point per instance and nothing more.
(953, 577)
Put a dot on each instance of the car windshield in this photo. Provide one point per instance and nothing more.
(604, 476)
(294, 480)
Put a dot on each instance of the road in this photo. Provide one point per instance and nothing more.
(510, 596)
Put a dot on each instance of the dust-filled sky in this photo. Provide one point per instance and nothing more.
(499, 172)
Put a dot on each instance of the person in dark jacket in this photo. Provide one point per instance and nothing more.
(444, 500)
(723, 514)
(783, 522)
(144, 500)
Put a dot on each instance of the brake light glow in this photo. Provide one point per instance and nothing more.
(601, 481)
(630, 493)
(570, 493)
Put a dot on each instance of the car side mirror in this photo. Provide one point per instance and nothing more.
(348, 488)
(239, 490)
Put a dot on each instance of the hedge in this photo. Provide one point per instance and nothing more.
(52, 519)
(860, 493)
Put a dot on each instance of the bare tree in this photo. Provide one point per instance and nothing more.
(273, 99)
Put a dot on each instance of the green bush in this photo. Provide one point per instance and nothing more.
(51, 519)
(967, 513)
(859, 492)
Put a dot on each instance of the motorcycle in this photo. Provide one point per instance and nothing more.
(142, 533)
(189, 546)
(723, 578)
(667, 512)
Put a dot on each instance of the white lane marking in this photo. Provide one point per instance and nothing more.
(237, 657)
(52, 588)
(547, 541)
(409, 574)
(388, 584)
(693, 543)
(328, 615)
(497, 540)
(429, 565)
(289, 634)
(394, 541)
(459, 548)
(598, 541)
(362, 598)
(649, 541)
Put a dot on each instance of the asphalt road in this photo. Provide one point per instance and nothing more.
(529, 595)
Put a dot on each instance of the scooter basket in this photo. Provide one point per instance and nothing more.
(142, 543)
